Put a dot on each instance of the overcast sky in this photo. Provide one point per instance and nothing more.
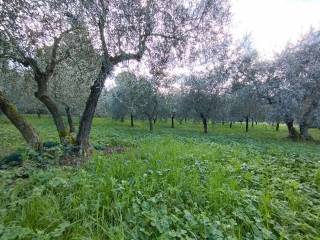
(272, 23)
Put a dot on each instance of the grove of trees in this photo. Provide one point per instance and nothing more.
(56, 57)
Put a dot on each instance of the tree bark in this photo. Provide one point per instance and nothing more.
(82, 141)
(252, 122)
(150, 124)
(247, 124)
(277, 126)
(56, 115)
(292, 131)
(310, 105)
(70, 122)
(304, 132)
(42, 77)
(131, 120)
(172, 121)
(205, 123)
(26, 130)
(108, 62)
(42, 95)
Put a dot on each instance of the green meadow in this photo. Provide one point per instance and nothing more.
(170, 184)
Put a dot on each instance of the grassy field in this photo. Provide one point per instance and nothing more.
(172, 184)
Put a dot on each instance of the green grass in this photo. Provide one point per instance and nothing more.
(172, 184)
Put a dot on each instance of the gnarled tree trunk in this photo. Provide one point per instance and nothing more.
(311, 104)
(43, 96)
(26, 130)
(42, 77)
(304, 132)
(82, 142)
(293, 134)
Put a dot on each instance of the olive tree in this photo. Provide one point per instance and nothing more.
(120, 31)
(302, 76)
(126, 96)
(8, 107)
(28, 28)
(149, 101)
(125, 30)
(203, 93)
(292, 86)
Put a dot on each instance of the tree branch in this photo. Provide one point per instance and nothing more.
(162, 36)
(53, 58)
(101, 25)
(52, 62)
(131, 56)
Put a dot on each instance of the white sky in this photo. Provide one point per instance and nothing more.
(272, 23)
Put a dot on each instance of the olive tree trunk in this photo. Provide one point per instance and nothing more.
(26, 130)
(41, 77)
(247, 124)
(304, 132)
(70, 121)
(172, 121)
(205, 123)
(131, 120)
(82, 141)
(291, 130)
(150, 124)
(311, 104)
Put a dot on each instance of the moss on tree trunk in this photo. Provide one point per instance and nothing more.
(26, 130)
